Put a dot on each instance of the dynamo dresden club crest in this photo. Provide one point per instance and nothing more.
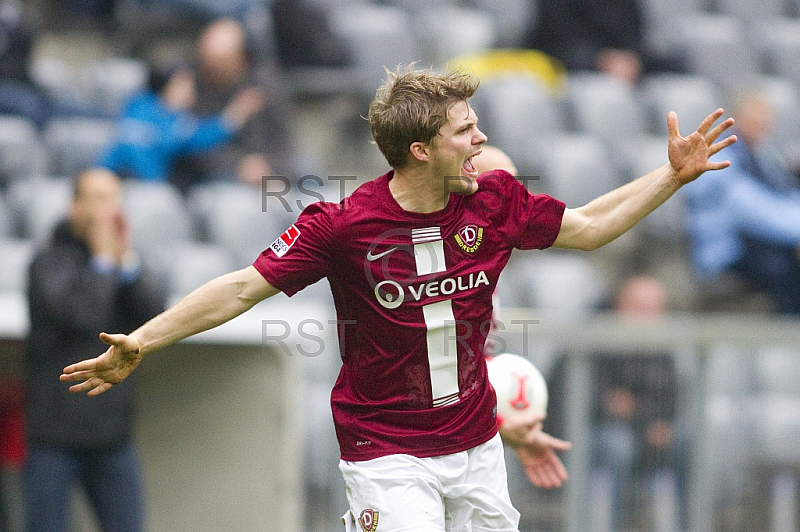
(368, 520)
(469, 238)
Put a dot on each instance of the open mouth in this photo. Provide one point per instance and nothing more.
(468, 168)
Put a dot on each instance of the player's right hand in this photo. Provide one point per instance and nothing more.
(112, 367)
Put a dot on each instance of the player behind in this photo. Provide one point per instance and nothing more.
(412, 258)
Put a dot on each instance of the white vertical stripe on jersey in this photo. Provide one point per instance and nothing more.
(429, 257)
(442, 355)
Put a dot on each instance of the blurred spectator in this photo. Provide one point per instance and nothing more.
(634, 441)
(263, 145)
(19, 95)
(86, 280)
(745, 220)
(157, 127)
(603, 35)
(304, 38)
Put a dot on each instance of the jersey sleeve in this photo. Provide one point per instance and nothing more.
(531, 221)
(301, 255)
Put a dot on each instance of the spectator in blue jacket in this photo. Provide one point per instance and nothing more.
(745, 219)
(157, 127)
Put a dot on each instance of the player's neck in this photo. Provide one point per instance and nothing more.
(417, 191)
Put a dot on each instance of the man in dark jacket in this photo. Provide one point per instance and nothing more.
(85, 280)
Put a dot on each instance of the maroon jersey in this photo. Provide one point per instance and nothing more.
(413, 296)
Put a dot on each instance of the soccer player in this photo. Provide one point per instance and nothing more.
(412, 258)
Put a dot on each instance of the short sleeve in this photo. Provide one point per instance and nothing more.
(531, 221)
(301, 255)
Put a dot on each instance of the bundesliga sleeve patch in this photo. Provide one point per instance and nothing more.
(285, 241)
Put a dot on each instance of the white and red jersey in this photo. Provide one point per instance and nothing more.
(413, 295)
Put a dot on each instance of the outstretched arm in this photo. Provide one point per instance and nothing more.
(213, 304)
(604, 219)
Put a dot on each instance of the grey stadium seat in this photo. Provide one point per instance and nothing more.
(7, 228)
(662, 20)
(112, 81)
(232, 215)
(513, 18)
(157, 215)
(446, 32)
(716, 46)
(577, 169)
(691, 97)
(779, 42)
(604, 106)
(552, 282)
(377, 36)
(75, 143)
(22, 153)
(517, 112)
(190, 265)
(749, 11)
(15, 256)
(38, 204)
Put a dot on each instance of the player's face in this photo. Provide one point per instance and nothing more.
(458, 141)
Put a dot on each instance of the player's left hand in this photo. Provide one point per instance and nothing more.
(689, 156)
(536, 451)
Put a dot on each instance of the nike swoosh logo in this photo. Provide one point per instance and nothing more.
(371, 257)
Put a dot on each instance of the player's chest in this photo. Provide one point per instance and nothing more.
(426, 261)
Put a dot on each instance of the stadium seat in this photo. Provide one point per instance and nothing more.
(376, 35)
(38, 204)
(716, 46)
(16, 256)
(22, 152)
(517, 113)
(157, 215)
(577, 169)
(662, 20)
(410, 5)
(604, 106)
(189, 265)
(234, 216)
(779, 42)
(6, 221)
(513, 19)
(58, 77)
(748, 11)
(75, 143)
(445, 32)
(552, 282)
(691, 97)
(111, 82)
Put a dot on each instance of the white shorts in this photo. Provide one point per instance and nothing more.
(460, 492)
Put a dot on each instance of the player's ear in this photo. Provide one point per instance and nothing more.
(421, 151)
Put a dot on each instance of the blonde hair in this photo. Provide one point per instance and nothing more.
(411, 106)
